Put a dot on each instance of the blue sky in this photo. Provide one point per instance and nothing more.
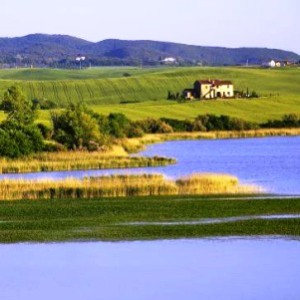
(230, 23)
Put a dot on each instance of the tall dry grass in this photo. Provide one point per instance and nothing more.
(223, 134)
(199, 184)
(122, 186)
(112, 186)
(80, 160)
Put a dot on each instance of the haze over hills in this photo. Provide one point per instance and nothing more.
(61, 50)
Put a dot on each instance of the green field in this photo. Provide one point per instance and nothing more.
(143, 94)
(107, 219)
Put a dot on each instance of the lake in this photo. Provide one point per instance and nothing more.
(222, 268)
(228, 268)
(272, 163)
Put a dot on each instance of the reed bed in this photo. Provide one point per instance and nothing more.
(80, 160)
(110, 186)
(122, 186)
(227, 134)
(199, 184)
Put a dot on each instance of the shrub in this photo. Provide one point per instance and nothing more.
(75, 128)
(18, 107)
(119, 125)
(212, 122)
(287, 121)
(17, 141)
(45, 130)
(178, 125)
(135, 131)
(154, 126)
(44, 104)
(54, 147)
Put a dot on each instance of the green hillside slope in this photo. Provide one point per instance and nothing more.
(108, 90)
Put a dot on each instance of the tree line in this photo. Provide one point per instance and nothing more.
(78, 128)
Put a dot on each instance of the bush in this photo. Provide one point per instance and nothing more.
(198, 126)
(154, 126)
(44, 104)
(212, 122)
(17, 141)
(119, 125)
(45, 130)
(75, 128)
(19, 109)
(54, 147)
(135, 131)
(179, 125)
(287, 121)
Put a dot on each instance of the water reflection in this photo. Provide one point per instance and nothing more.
(184, 269)
(214, 221)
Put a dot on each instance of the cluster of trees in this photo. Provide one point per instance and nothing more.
(210, 122)
(77, 127)
(287, 121)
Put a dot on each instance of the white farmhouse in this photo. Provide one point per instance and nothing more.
(212, 89)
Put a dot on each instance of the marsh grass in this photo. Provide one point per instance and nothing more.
(225, 134)
(102, 218)
(204, 184)
(122, 186)
(80, 160)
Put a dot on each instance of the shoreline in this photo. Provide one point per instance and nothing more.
(118, 157)
(138, 144)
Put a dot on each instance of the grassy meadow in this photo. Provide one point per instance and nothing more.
(143, 94)
(107, 219)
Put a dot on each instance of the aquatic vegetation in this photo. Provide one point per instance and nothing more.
(199, 184)
(122, 186)
(80, 160)
(105, 218)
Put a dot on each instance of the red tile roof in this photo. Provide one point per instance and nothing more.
(215, 82)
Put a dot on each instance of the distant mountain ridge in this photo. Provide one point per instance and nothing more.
(61, 50)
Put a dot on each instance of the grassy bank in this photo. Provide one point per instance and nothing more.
(122, 186)
(105, 219)
(136, 144)
(117, 157)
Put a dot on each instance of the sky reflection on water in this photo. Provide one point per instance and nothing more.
(234, 268)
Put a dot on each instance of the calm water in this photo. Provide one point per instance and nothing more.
(272, 163)
(209, 269)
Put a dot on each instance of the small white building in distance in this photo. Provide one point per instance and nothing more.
(169, 60)
(278, 64)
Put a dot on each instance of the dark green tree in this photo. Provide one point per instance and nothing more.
(19, 136)
(75, 128)
(18, 107)
(18, 140)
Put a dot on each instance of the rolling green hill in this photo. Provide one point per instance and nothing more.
(143, 94)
